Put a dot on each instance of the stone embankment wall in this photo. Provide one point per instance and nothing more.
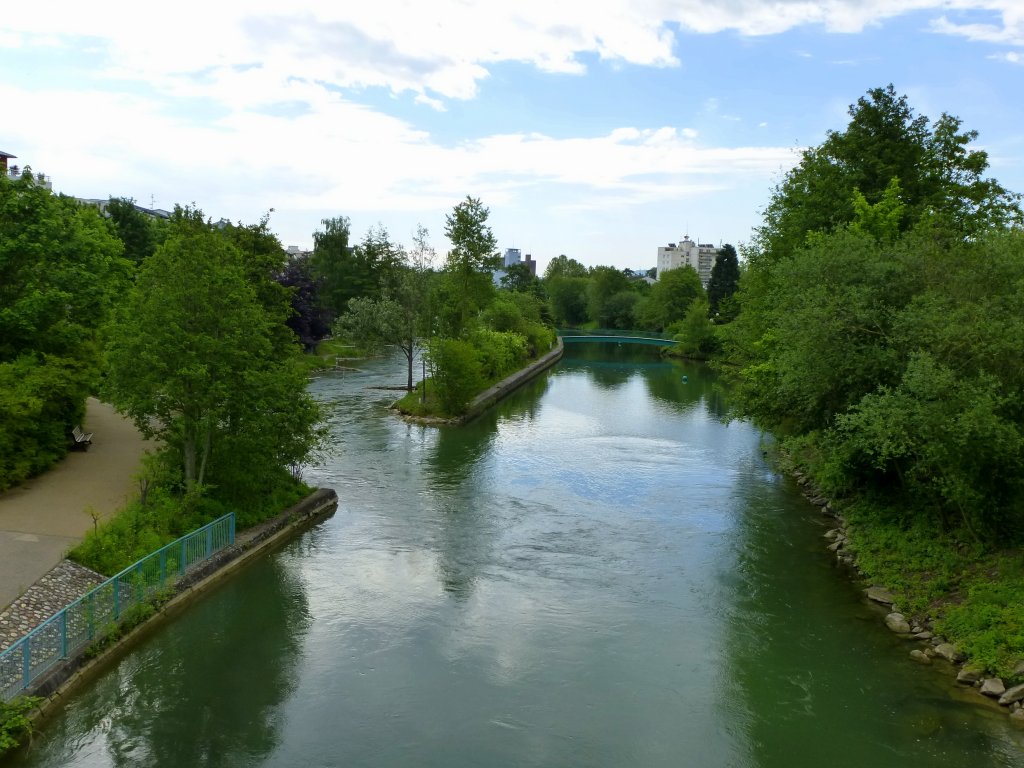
(918, 631)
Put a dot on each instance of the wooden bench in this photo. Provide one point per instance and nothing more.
(82, 440)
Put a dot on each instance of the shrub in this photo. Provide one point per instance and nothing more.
(456, 373)
(14, 720)
(499, 353)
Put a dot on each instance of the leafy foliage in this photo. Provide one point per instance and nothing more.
(725, 281)
(195, 359)
(468, 286)
(60, 272)
(696, 335)
(670, 298)
(455, 372)
(885, 140)
(15, 723)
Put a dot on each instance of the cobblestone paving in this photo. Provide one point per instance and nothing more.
(61, 586)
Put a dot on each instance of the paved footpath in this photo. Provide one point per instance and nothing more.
(45, 517)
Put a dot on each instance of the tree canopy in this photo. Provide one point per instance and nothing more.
(193, 359)
(879, 313)
(61, 270)
(939, 176)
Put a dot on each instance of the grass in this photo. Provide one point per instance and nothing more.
(973, 596)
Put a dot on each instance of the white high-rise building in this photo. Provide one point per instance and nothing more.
(700, 256)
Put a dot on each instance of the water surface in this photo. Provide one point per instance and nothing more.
(601, 571)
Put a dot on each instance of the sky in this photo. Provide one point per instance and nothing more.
(598, 129)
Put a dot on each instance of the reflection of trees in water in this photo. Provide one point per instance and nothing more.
(206, 691)
(460, 488)
(702, 386)
(454, 478)
(610, 364)
(816, 678)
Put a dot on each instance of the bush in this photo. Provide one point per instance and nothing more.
(498, 353)
(14, 720)
(456, 373)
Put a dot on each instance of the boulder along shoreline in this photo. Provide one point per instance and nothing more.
(917, 631)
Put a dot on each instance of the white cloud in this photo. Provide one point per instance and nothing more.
(253, 104)
(442, 49)
(1011, 57)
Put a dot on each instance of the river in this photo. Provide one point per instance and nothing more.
(601, 571)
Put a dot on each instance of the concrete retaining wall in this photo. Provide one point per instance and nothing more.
(249, 545)
(509, 384)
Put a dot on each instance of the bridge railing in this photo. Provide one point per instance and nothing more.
(612, 332)
(72, 628)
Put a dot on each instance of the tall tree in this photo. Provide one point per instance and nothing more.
(333, 264)
(309, 320)
(567, 297)
(725, 278)
(886, 140)
(471, 260)
(605, 282)
(401, 316)
(519, 278)
(670, 297)
(193, 359)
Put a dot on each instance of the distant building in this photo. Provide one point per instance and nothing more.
(700, 256)
(14, 172)
(156, 213)
(513, 256)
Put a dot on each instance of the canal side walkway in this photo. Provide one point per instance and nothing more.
(46, 516)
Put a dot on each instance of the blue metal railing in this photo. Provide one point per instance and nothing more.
(70, 630)
(566, 333)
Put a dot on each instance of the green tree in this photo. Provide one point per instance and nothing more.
(136, 229)
(60, 273)
(520, 279)
(455, 372)
(563, 266)
(470, 262)
(401, 316)
(605, 282)
(886, 140)
(725, 279)
(193, 361)
(697, 333)
(567, 297)
(670, 297)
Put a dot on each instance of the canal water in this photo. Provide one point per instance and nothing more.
(601, 571)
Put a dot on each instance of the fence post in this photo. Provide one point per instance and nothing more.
(209, 542)
(231, 529)
(26, 662)
(181, 562)
(163, 566)
(117, 598)
(64, 633)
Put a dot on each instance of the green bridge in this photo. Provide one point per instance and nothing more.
(574, 336)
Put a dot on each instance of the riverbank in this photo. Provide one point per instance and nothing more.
(495, 392)
(888, 565)
(249, 545)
